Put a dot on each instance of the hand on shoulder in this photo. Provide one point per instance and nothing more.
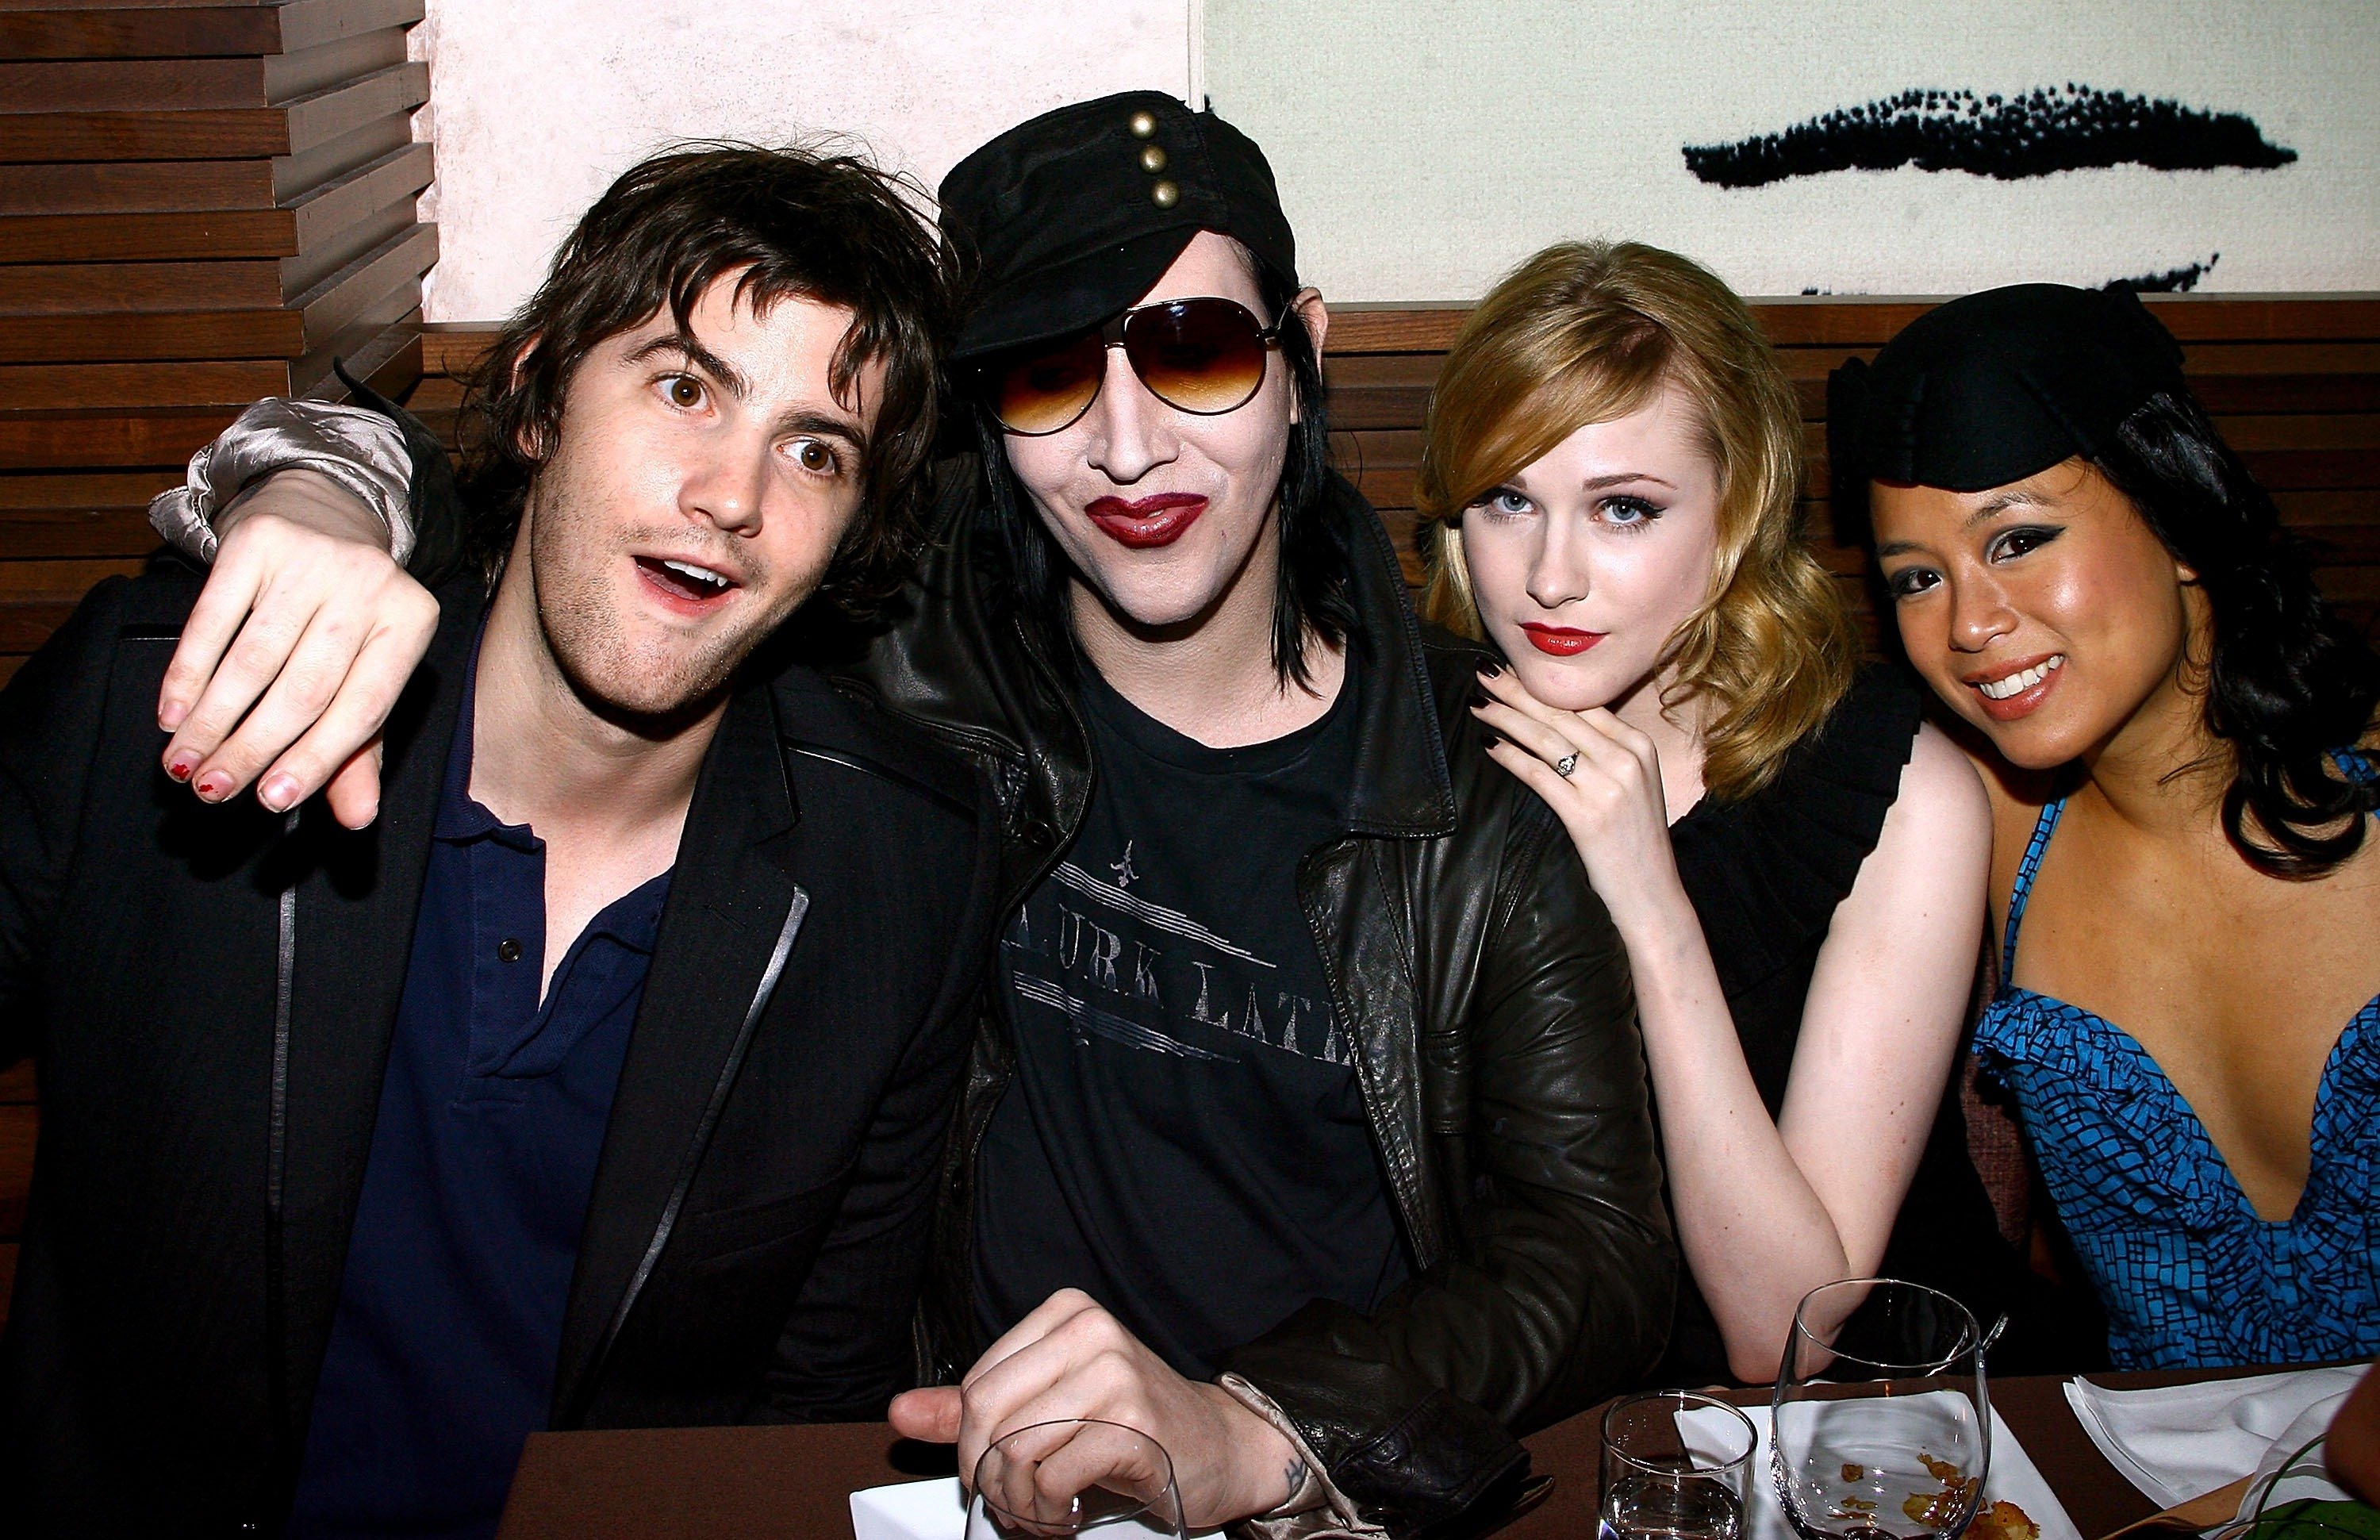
(295, 652)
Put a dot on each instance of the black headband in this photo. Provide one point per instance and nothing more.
(1998, 386)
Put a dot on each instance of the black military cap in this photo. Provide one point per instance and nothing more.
(1068, 219)
(2000, 386)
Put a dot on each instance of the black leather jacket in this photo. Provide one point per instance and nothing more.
(1500, 1059)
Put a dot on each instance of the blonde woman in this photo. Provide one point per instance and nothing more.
(1795, 863)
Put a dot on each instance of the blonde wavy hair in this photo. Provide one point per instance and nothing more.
(1586, 332)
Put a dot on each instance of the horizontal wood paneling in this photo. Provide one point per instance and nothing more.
(171, 31)
(153, 436)
(160, 85)
(154, 237)
(137, 187)
(258, 333)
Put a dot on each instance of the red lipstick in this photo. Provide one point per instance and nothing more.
(1158, 519)
(1563, 641)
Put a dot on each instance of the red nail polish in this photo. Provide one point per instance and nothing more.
(213, 784)
(180, 766)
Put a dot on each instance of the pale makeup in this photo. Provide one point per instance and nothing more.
(1213, 477)
(2046, 613)
(1586, 562)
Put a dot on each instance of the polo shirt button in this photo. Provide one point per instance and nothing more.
(508, 951)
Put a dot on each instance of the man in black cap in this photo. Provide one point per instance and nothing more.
(1309, 1131)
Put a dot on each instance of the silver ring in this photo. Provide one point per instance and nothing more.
(1567, 763)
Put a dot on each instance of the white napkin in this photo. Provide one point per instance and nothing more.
(2306, 1477)
(2182, 1441)
(2011, 1478)
(935, 1511)
(910, 1510)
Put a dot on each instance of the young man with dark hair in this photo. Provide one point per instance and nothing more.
(605, 1081)
(1309, 1131)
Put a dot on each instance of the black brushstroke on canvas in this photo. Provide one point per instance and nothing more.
(2004, 137)
(2173, 280)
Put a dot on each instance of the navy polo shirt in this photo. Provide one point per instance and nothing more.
(491, 1116)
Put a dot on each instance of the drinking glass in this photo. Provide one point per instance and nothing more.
(1904, 1455)
(1676, 1466)
(1076, 1477)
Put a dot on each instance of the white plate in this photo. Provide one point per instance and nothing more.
(2011, 1478)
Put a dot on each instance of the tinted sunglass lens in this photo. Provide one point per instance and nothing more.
(1043, 391)
(1203, 355)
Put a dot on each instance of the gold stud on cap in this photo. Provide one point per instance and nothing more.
(1152, 160)
(1143, 124)
(1165, 195)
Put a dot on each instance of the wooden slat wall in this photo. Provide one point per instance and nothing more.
(199, 204)
(2295, 383)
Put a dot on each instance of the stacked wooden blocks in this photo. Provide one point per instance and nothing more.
(201, 202)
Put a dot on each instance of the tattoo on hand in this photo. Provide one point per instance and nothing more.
(1296, 1476)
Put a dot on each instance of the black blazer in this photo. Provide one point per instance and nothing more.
(209, 994)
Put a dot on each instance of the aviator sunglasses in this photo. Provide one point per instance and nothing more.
(1205, 357)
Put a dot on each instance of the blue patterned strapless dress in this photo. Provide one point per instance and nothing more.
(2189, 1274)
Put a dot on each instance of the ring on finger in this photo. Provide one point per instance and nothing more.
(1567, 763)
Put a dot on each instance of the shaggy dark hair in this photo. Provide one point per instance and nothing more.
(1311, 589)
(792, 223)
(2289, 683)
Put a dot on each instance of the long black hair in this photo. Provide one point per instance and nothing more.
(2289, 683)
(1311, 587)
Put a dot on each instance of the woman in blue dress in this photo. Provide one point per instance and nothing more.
(2177, 734)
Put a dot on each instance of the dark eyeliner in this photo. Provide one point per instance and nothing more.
(2039, 534)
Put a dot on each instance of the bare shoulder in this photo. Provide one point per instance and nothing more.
(1940, 824)
(2014, 796)
(1936, 840)
(1942, 789)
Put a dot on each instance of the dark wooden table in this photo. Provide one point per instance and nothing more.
(794, 1483)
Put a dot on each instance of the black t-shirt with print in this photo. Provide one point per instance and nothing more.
(1184, 1139)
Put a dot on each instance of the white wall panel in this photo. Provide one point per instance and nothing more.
(1423, 146)
(536, 104)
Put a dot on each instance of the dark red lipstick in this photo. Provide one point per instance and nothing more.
(1563, 641)
(1155, 520)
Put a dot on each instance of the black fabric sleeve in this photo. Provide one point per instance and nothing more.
(845, 1348)
(432, 499)
(848, 1347)
(50, 719)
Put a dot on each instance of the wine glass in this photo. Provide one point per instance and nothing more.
(1901, 1457)
(1676, 1466)
(1080, 1476)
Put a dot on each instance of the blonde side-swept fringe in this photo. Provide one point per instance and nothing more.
(1586, 331)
